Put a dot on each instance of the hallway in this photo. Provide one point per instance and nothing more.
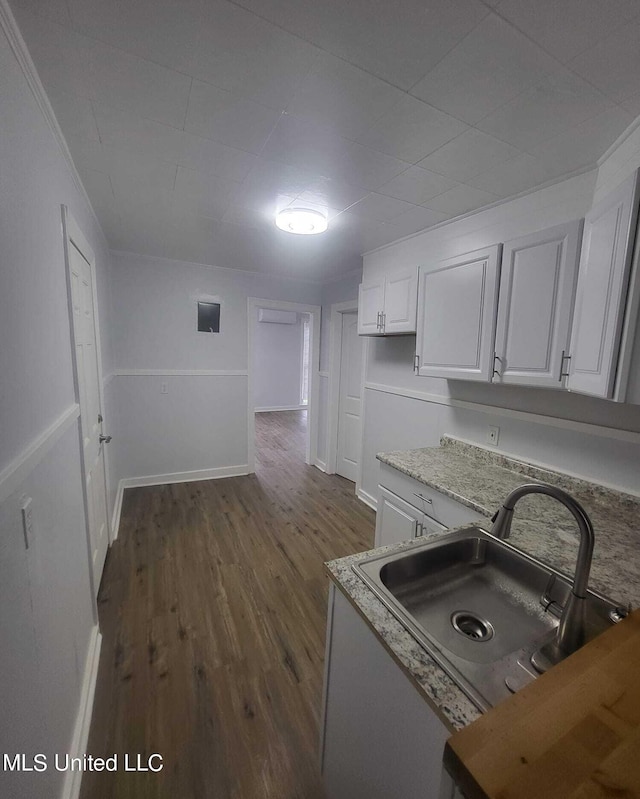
(212, 609)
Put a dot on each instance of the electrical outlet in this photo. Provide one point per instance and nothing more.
(164, 388)
(493, 434)
(27, 520)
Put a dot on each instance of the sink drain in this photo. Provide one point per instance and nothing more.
(471, 626)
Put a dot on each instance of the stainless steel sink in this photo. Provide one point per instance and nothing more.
(479, 606)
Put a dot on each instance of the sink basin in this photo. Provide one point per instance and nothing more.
(479, 606)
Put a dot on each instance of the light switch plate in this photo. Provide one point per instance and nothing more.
(493, 434)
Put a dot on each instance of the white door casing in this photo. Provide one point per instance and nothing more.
(88, 387)
(349, 406)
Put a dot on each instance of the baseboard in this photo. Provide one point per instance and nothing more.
(117, 511)
(282, 408)
(185, 477)
(73, 779)
(362, 495)
(320, 465)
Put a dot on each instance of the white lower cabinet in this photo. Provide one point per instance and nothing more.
(380, 738)
(408, 509)
(396, 520)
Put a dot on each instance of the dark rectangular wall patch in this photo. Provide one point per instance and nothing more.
(208, 317)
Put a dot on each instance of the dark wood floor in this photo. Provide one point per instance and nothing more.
(212, 609)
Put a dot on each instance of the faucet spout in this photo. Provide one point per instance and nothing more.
(571, 630)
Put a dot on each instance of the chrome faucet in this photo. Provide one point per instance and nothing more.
(571, 630)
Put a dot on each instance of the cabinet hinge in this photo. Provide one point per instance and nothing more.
(497, 358)
(416, 363)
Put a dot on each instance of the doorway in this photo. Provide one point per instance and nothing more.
(344, 430)
(283, 359)
(83, 309)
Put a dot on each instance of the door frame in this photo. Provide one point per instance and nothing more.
(73, 237)
(253, 303)
(333, 388)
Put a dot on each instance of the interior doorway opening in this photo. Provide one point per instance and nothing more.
(284, 343)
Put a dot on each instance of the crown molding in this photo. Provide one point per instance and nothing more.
(18, 45)
(626, 133)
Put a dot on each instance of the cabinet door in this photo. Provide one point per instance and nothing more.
(601, 295)
(430, 525)
(400, 301)
(457, 301)
(370, 307)
(396, 520)
(381, 740)
(537, 288)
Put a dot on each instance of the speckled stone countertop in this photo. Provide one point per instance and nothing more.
(481, 479)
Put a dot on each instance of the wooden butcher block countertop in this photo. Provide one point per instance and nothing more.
(574, 733)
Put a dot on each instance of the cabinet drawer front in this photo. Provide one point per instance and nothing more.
(439, 507)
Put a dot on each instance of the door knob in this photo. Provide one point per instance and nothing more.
(104, 439)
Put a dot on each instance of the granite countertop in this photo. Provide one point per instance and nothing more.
(542, 527)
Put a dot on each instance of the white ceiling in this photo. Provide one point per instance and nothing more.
(191, 122)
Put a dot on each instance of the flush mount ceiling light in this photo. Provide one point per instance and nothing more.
(303, 221)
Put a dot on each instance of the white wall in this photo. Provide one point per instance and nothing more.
(201, 422)
(277, 364)
(47, 610)
(402, 410)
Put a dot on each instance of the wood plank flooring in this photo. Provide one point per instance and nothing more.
(213, 612)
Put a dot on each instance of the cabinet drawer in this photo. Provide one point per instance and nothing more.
(438, 506)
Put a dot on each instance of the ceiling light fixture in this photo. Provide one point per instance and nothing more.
(303, 221)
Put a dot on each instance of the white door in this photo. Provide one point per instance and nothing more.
(370, 306)
(537, 288)
(400, 300)
(457, 305)
(90, 412)
(349, 421)
(601, 295)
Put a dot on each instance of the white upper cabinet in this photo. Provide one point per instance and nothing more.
(400, 301)
(370, 305)
(598, 346)
(388, 306)
(537, 289)
(457, 301)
